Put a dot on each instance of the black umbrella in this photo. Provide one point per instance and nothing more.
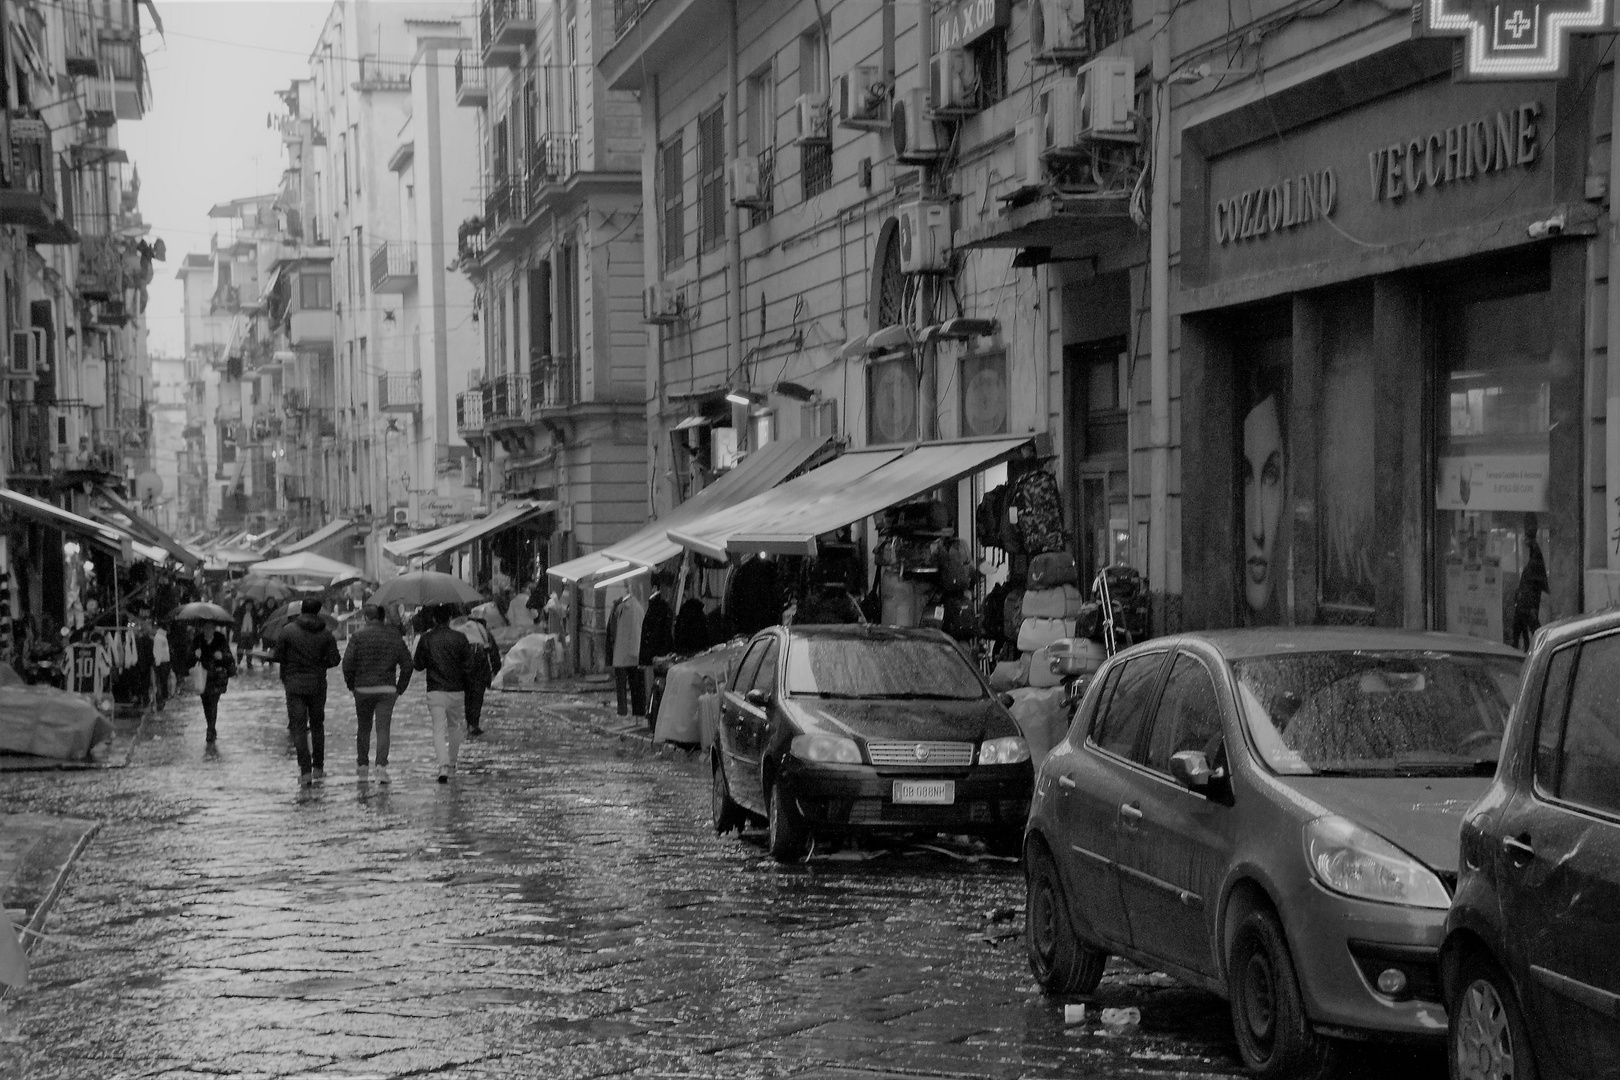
(202, 611)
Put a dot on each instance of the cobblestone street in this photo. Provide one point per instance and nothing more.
(562, 909)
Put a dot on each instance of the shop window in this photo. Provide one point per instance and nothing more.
(891, 401)
(1493, 418)
(1345, 467)
(1263, 344)
(984, 393)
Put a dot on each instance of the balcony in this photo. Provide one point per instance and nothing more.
(79, 44)
(471, 243)
(503, 203)
(552, 159)
(29, 199)
(506, 401)
(30, 441)
(101, 268)
(399, 393)
(472, 81)
(470, 411)
(100, 103)
(505, 27)
(381, 74)
(552, 383)
(393, 267)
(626, 12)
(123, 64)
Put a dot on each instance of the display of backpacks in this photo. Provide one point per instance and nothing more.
(991, 619)
(955, 564)
(960, 620)
(1035, 634)
(991, 515)
(1012, 612)
(1039, 508)
(1062, 602)
(1052, 569)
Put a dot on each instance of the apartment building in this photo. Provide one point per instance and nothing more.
(555, 254)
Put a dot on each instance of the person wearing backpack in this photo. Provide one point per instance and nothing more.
(485, 662)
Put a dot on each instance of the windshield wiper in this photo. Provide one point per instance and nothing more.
(918, 697)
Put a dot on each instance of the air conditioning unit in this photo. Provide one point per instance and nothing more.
(745, 188)
(1058, 32)
(925, 237)
(955, 79)
(660, 305)
(27, 353)
(1029, 173)
(1058, 107)
(916, 141)
(1107, 99)
(402, 515)
(861, 96)
(814, 123)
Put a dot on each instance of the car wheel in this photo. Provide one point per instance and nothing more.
(728, 816)
(789, 840)
(1061, 963)
(1488, 1038)
(1268, 1014)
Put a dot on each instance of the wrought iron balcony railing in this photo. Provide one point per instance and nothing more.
(399, 393)
(470, 410)
(553, 382)
(472, 80)
(393, 267)
(377, 73)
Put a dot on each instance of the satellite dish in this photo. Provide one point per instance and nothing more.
(148, 486)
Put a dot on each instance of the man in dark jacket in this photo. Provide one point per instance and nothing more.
(447, 657)
(377, 669)
(305, 648)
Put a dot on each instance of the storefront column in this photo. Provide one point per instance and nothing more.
(1210, 531)
(1304, 443)
(1565, 444)
(1403, 491)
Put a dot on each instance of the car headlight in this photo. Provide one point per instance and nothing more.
(832, 748)
(1351, 860)
(1003, 751)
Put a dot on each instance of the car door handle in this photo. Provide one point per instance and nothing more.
(1130, 812)
(1065, 780)
(1518, 848)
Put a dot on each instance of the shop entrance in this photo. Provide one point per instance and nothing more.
(1097, 393)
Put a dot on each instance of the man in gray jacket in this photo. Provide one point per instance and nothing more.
(377, 669)
(305, 648)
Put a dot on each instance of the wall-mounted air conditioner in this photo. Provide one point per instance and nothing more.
(916, 141)
(925, 237)
(813, 122)
(660, 304)
(1029, 174)
(1057, 105)
(1058, 32)
(861, 97)
(745, 183)
(955, 81)
(1107, 99)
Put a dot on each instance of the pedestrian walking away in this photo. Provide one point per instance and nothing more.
(376, 669)
(305, 649)
(447, 657)
(211, 653)
(163, 673)
(486, 662)
(624, 643)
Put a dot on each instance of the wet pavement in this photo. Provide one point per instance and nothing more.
(562, 909)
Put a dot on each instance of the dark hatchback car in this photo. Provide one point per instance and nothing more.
(1532, 951)
(1270, 815)
(835, 730)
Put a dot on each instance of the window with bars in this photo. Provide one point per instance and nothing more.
(711, 179)
(762, 140)
(671, 187)
(815, 168)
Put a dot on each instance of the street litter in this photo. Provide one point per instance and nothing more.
(1074, 1014)
(1119, 1021)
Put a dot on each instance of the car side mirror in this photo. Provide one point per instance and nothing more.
(1007, 700)
(1192, 770)
(758, 698)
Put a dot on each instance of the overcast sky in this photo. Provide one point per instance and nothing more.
(203, 140)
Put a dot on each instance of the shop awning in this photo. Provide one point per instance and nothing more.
(582, 568)
(319, 536)
(789, 519)
(512, 514)
(407, 546)
(277, 540)
(57, 518)
(759, 472)
(145, 530)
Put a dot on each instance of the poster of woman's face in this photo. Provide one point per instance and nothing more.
(1264, 473)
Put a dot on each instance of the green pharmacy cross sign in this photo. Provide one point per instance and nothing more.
(1513, 39)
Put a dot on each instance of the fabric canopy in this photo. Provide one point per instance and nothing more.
(789, 519)
(324, 533)
(57, 518)
(307, 564)
(513, 513)
(582, 568)
(759, 472)
(145, 530)
(410, 545)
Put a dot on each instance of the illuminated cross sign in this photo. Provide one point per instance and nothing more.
(1514, 39)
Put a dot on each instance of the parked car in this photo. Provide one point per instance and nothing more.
(1270, 815)
(1531, 960)
(836, 730)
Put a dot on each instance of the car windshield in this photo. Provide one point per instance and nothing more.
(880, 667)
(1374, 713)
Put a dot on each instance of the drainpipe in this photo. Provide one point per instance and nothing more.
(1159, 315)
(734, 299)
(1611, 436)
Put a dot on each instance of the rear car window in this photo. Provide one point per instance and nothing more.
(1378, 713)
(1125, 711)
(880, 667)
(1589, 760)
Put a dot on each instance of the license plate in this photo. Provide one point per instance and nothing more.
(936, 792)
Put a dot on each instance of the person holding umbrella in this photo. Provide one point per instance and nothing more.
(447, 657)
(211, 652)
(305, 649)
(377, 668)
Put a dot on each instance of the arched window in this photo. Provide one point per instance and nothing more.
(887, 304)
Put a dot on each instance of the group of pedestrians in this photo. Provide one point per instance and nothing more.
(377, 667)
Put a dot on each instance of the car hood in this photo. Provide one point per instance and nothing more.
(1421, 815)
(947, 721)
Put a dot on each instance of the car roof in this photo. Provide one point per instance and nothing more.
(1274, 640)
(1577, 626)
(863, 632)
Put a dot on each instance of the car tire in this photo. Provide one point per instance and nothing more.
(1059, 960)
(788, 838)
(1273, 1033)
(1486, 1037)
(728, 816)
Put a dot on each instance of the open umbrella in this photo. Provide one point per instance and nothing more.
(421, 587)
(259, 589)
(202, 611)
(278, 622)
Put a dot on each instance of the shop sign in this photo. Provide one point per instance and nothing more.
(1513, 40)
(1514, 482)
(1474, 598)
(966, 21)
(1441, 158)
